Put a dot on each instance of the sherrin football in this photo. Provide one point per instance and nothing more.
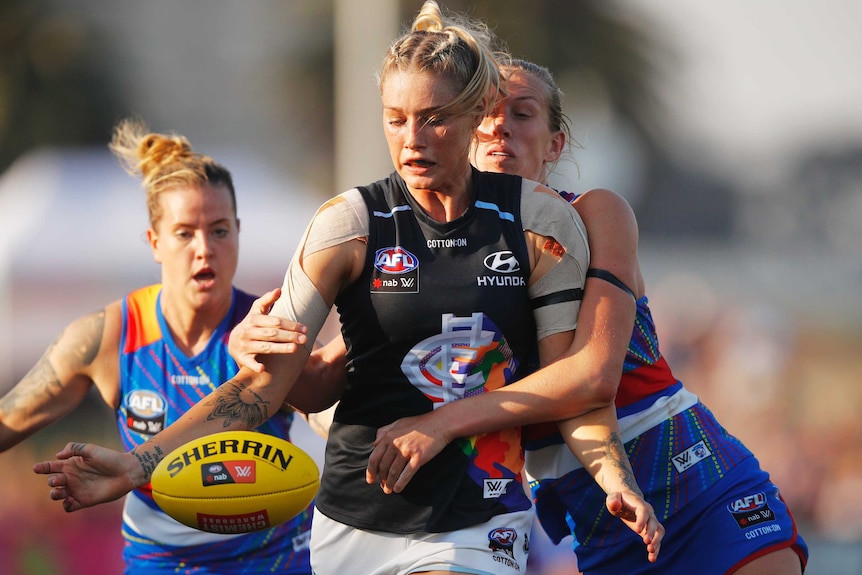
(235, 482)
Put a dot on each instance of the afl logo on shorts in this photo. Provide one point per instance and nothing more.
(145, 411)
(503, 539)
(751, 510)
(395, 260)
(748, 503)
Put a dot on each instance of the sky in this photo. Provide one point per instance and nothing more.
(760, 80)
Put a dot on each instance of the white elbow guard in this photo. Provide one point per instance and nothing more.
(339, 220)
(301, 302)
(556, 298)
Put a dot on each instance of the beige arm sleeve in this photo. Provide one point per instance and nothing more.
(557, 295)
(339, 220)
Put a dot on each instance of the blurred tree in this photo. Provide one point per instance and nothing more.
(584, 38)
(55, 86)
(598, 50)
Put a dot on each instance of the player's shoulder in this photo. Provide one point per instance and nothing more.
(541, 205)
(607, 214)
(546, 213)
(601, 200)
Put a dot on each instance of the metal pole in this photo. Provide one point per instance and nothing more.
(363, 32)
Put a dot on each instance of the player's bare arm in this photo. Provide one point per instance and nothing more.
(56, 384)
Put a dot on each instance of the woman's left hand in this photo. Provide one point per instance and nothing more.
(401, 448)
(633, 510)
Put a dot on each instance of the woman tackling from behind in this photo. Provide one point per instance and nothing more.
(158, 351)
(721, 512)
(431, 225)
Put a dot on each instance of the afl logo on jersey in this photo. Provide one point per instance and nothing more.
(395, 260)
(502, 538)
(502, 262)
(145, 411)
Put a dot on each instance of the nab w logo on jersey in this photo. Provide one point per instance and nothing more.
(751, 510)
(395, 271)
(694, 454)
(495, 488)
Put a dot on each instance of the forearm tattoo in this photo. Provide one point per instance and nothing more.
(230, 406)
(615, 452)
(149, 460)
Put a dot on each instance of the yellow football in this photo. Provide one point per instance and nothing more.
(235, 482)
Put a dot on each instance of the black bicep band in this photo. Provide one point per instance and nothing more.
(610, 278)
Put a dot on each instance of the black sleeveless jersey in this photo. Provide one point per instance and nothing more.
(440, 312)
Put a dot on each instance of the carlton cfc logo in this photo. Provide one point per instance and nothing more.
(395, 260)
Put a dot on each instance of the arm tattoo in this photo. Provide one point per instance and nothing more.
(88, 349)
(229, 406)
(41, 384)
(615, 451)
(149, 460)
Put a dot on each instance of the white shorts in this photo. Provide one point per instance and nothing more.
(498, 547)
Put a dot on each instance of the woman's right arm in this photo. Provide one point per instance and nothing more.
(324, 374)
(607, 319)
(61, 378)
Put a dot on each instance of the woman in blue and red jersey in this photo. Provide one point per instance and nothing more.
(158, 351)
(721, 512)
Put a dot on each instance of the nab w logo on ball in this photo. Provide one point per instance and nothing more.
(228, 472)
(235, 482)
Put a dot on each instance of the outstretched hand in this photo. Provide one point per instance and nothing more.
(633, 510)
(401, 448)
(259, 332)
(84, 475)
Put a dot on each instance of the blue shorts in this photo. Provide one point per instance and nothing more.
(737, 520)
(718, 507)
